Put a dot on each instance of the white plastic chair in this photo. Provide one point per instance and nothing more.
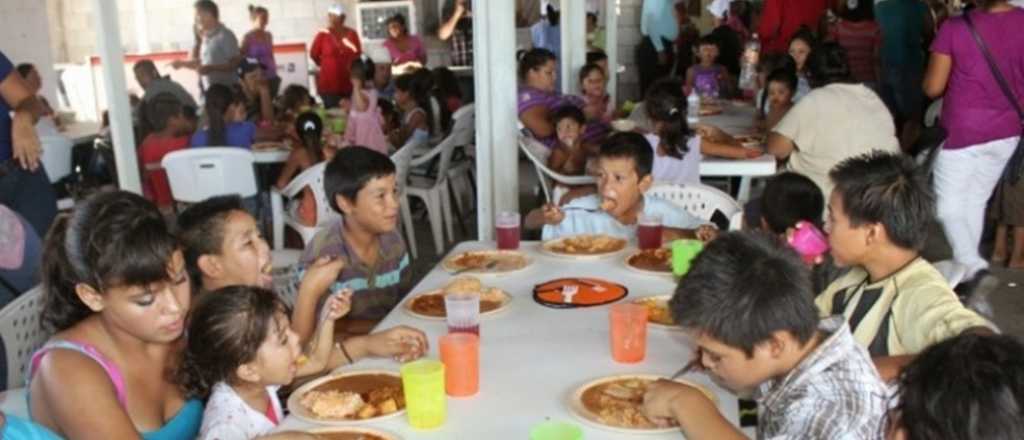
(701, 201)
(538, 154)
(434, 191)
(197, 174)
(402, 158)
(312, 177)
(286, 283)
(22, 333)
(460, 173)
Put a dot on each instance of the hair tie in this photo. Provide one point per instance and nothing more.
(672, 111)
(310, 125)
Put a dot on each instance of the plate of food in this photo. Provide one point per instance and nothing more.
(349, 398)
(614, 403)
(489, 262)
(430, 305)
(584, 246)
(651, 261)
(565, 293)
(658, 313)
(351, 433)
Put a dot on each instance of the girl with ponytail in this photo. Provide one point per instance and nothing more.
(677, 150)
(365, 124)
(116, 292)
(309, 129)
(412, 95)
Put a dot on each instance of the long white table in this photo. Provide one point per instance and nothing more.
(532, 357)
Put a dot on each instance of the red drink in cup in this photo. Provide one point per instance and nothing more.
(648, 231)
(506, 228)
(462, 313)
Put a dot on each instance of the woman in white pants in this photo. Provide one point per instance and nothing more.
(982, 125)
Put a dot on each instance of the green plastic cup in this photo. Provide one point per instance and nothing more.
(423, 385)
(553, 430)
(683, 253)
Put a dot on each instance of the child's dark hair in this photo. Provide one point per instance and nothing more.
(887, 188)
(25, 69)
(419, 89)
(789, 198)
(743, 288)
(552, 14)
(784, 76)
(589, 68)
(256, 11)
(310, 129)
(362, 68)
(111, 239)
(351, 169)
(293, 96)
(201, 231)
(596, 56)
(208, 6)
(398, 19)
(218, 98)
(969, 387)
(533, 59)
(708, 40)
(446, 85)
(630, 145)
(388, 111)
(161, 109)
(827, 64)
(665, 103)
(225, 331)
(568, 112)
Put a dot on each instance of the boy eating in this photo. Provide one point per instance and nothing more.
(223, 247)
(624, 173)
(747, 304)
(896, 303)
(361, 186)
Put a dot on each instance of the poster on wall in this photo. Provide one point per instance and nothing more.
(292, 67)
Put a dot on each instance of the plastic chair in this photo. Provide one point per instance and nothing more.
(312, 177)
(197, 174)
(402, 158)
(434, 191)
(461, 172)
(286, 283)
(701, 201)
(22, 333)
(538, 154)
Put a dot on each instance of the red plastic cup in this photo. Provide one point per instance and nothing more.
(628, 332)
(460, 353)
(648, 231)
(506, 228)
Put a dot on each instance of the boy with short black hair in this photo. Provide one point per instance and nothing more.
(172, 130)
(969, 387)
(746, 301)
(624, 173)
(896, 303)
(361, 186)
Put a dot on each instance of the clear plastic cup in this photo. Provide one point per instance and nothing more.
(462, 313)
(506, 228)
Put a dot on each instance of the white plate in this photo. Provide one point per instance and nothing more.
(547, 248)
(354, 430)
(633, 268)
(448, 264)
(581, 412)
(303, 414)
(659, 298)
(407, 306)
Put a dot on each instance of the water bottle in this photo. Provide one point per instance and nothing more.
(748, 72)
(693, 107)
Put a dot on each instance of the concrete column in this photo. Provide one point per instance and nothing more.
(494, 76)
(611, 47)
(573, 26)
(108, 38)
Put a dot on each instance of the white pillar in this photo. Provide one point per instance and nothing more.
(573, 26)
(611, 46)
(494, 77)
(108, 35)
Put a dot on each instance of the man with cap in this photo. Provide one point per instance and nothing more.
(216, 54)
(334, 49)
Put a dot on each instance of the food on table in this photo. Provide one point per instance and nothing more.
(618, 403)
(355, 397)
(657, 310)
(486, 261)
(654, 260)
(586, 245)
(432, 304)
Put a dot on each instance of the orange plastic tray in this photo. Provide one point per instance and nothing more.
(592, 292)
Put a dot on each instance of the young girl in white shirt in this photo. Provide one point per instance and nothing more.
(240, 350)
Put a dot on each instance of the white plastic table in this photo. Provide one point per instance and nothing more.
(532, 357)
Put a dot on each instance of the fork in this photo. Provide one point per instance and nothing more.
(569, 291)
(579, 208)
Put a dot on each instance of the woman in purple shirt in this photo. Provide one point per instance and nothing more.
(402, 47)
(982, 126)
(259, 44)
(537, 95)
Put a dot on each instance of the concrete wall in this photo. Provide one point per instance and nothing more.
(23, 27)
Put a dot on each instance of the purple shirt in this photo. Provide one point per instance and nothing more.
(414, 52)
(974, 110)
(529, 97)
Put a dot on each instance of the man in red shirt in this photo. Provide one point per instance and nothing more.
(780, 19)
(333, 50)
